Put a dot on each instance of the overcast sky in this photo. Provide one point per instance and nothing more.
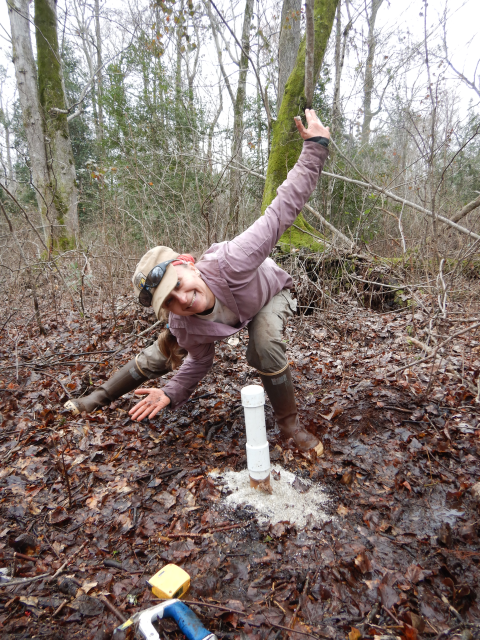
(463, 30)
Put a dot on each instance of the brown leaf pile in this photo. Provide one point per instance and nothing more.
(109, 501)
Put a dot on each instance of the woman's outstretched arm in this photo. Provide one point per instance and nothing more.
(245, 253)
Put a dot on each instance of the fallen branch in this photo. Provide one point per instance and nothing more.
(432, 354)
(112, 609)
(413, 205)
(207, 533)
(466, 210)
(67, 562)
(17, 581)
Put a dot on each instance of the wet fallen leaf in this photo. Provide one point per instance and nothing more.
(410, 633)
(388, 596)
(348, 477)
(363, 562)
(445, 535)
(354, 634)
(300, 486)
(58, 516)
(165, 499)
(275, 474)
(336, 411)
(25, 543)
(87, 606)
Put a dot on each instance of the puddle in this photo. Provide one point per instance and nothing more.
(426, 519)
(285, 504)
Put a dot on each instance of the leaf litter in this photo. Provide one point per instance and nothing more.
(106, 502)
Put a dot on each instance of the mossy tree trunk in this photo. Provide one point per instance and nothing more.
(286, 143)
(288, 43)
(26, 78)
(57, 138)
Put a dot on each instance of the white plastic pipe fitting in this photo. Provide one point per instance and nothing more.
(258, 453)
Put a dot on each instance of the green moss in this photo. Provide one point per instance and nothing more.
(55, 125)
(50, 87)
(295, 238)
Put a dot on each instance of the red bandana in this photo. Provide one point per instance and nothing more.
(183, 259)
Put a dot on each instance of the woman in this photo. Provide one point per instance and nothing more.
(235, 284)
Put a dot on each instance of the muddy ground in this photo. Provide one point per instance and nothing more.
(110, 501)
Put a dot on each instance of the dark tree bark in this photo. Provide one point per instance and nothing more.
(238, 109)
(288, 44)
(368, 115)
(309, 51)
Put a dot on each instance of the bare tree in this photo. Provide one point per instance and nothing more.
(6, 122)
(474, 82)
(98, 46)
(51, 158)
(58, 145)
(288, 43)
(309, 51)
(238, 101)
(26, 76)
(368, 115)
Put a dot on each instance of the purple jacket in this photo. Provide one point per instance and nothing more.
(241, 275)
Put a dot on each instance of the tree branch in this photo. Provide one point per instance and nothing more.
(219, 51)
(260, 88)
(393, 196)
(466, 209)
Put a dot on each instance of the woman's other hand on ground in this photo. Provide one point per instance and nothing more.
(155, 401)
(314, 126)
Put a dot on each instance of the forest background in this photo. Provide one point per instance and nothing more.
(158, 126)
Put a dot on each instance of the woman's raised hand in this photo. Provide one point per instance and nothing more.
(155, 401)
(314, 126)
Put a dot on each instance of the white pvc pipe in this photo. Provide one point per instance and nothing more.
(258, 453)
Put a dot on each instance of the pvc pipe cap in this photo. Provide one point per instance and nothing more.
(253, 396)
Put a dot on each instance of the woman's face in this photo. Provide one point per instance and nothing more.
(190, 295)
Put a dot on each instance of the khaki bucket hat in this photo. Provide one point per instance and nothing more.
(151, 259)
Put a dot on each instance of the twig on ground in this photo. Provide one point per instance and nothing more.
(112, 608)
(18, 581)
(391, 615)
(299, 605)
(59, 608)
(210, 531)
(67, 562)
(432, 354)
(23, 556)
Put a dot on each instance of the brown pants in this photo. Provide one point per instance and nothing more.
(266, 346)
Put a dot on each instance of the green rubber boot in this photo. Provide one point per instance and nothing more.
(281, 393)
(124, 380)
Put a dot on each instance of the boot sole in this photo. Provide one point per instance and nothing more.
(319, 450)
(72, 407)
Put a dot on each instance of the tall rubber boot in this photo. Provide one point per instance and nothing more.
(280, 391)
(124, 380)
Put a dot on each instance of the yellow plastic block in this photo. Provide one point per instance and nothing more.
(170, 582)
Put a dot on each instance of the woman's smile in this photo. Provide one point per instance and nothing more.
(191, 294)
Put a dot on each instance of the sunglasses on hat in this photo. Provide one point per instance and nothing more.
(152, 281)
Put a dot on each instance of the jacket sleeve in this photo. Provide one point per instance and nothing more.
(195, 367)
(247, 251)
